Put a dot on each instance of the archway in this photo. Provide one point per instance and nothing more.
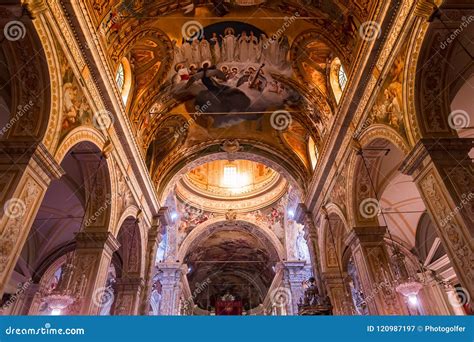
(71, 204)
(392, 200)
(234, 260)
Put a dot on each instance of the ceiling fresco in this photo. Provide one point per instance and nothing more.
(204, 73)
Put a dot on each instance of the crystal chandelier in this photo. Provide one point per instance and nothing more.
(61, 296)
(406, 284)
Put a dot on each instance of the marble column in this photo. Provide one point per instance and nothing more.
(170, 274)
(372, 263)
(293, 278)
(444, 174)
(26, 171)
(303, 216)
(128, 292)
(338, 293)
(155, 233)
(433, 297)
(90, 267)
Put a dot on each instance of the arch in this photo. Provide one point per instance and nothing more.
(51, 136)
(130, 211)
(30, 84)
(213, 225)
(380, 131)
(105, 207)
(77, 135)
(338, 232)
(212, 153)
(441, 60)
(375, 139)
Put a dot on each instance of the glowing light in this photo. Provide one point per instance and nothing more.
(412, 299)
(234, 180)
(174, 215)
(291, 214)
(230, 175)
(55, 312)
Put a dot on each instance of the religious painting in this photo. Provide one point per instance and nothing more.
(228, 71)
(76, 110)
(388, 108)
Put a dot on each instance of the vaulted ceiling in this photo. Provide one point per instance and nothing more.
(167, 115)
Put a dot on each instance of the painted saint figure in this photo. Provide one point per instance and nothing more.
(229, 44)
(215, 48)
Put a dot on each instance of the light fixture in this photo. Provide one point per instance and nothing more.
(61, 297)
(55, 312)
(413, 300)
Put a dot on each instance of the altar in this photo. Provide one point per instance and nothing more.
(229, 308)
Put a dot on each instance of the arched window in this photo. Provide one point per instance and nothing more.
(123, 78)
(120, 77)
(313, 152)
(337, 78)
(342, 77)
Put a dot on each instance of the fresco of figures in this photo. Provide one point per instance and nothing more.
(233, 71)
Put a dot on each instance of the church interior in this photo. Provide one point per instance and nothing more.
(236, 157)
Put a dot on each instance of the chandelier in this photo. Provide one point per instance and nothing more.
(61, 296)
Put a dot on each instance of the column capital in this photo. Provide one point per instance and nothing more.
(437, 149)
(130, 284)
(294, 264)
(370, 234)
(424, 8)
(35, 6)
(97, 240)
(171, 272)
